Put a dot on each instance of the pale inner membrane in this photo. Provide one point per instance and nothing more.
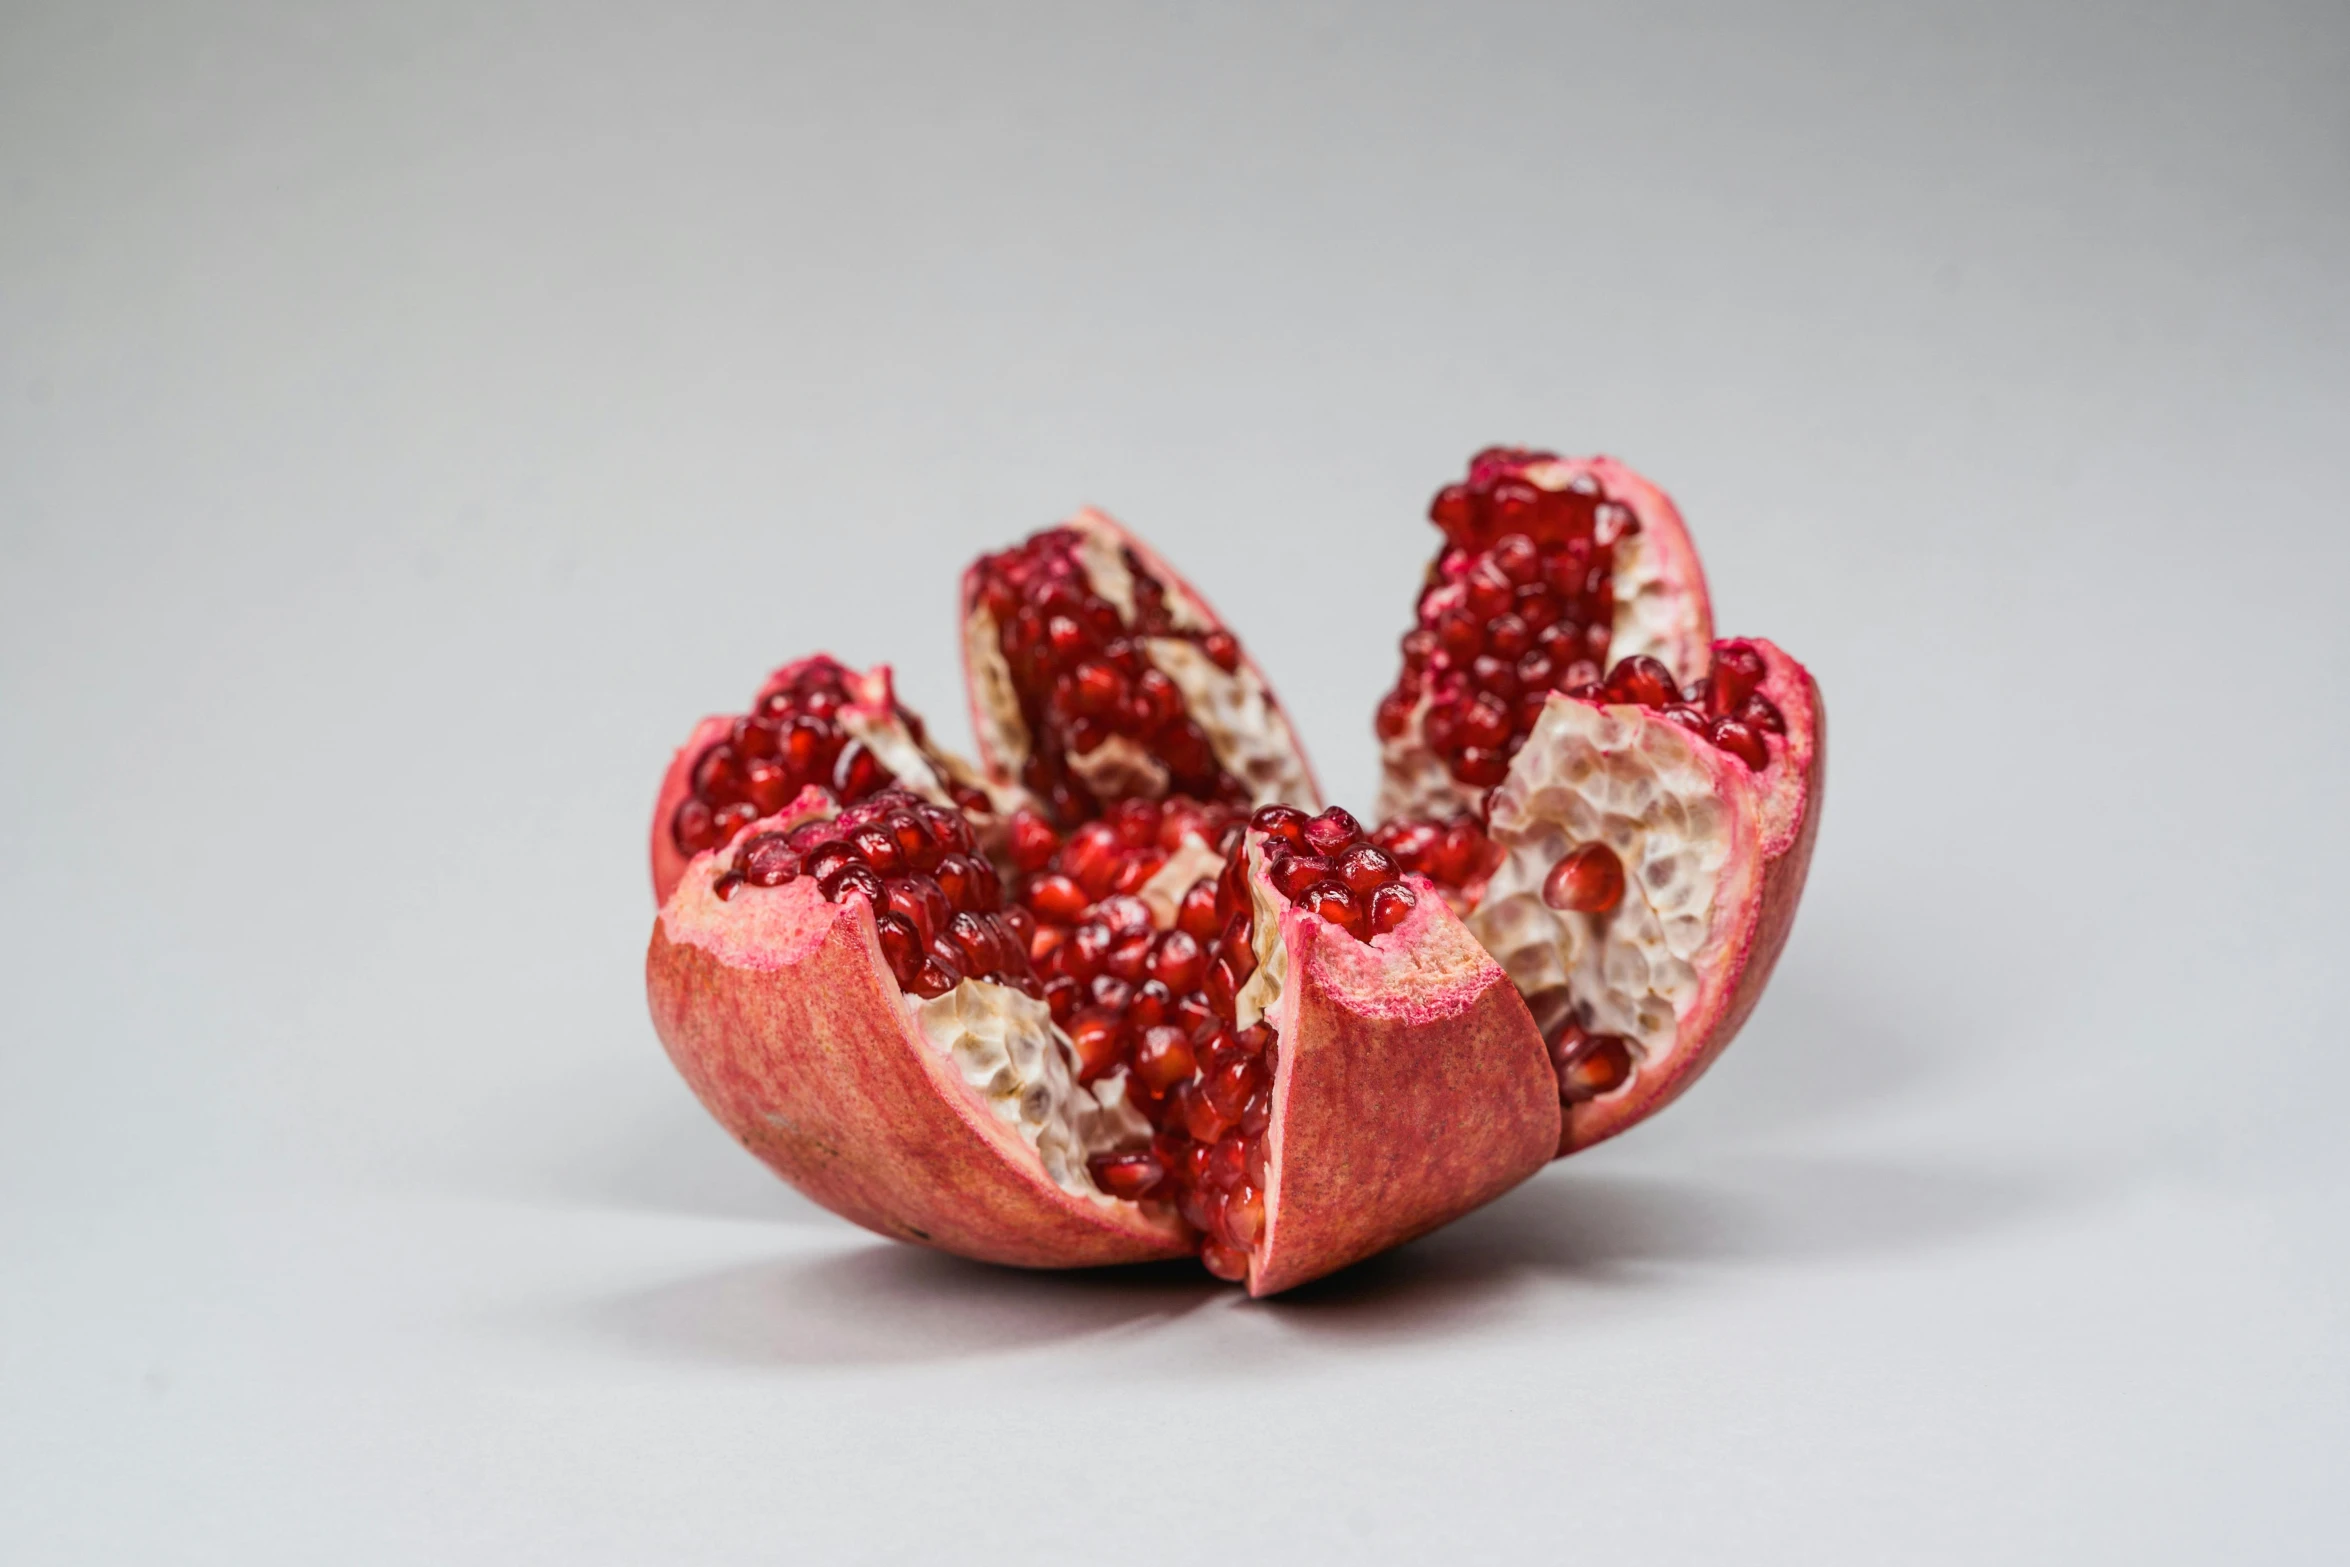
(1008, 1050)
(1602, 775)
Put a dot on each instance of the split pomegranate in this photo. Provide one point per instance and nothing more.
(1128, 991)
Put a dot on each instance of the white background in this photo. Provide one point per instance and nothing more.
(412, 417)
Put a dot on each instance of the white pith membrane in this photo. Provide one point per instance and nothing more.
(1246, 729)
(1012, 1054)
(1651, 618)
(1642, 786)
(1004, 1046)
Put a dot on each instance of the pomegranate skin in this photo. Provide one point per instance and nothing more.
(789, 1028)
(1411, 1087)
(1785, 808)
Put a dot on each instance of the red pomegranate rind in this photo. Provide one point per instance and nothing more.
(781, 1013)
(1410, 1085)
(1653, 603)
(1245, 726)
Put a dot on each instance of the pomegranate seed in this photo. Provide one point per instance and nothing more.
(1507, 637)
(1332, 831)
(1222, 650)
(1595, 1064)
(767, 860)
(1759, 714)
(718, 777)
(1196, 915)
(1292, 874)
(1057, 898)
(1741, 742)
(1332, 902)
(1163, 1058)
(1285, 823)
(1130, 1176)
(1454, 510)
(1363, 868)
(1483, 768)
(1589, 880)
(1096, 1040)
(1244, 1217)
(857, 773)
(1738, 671)
(936, 979)
(1178, 962)
(691, 828)
(1033, 843)
(1390, 904)
(1643, 680)
(1460, 856)
(901, 946)
(1224, 1262)
(724, 887)
(733, 819)
(1229, 1086)
(1485, 722)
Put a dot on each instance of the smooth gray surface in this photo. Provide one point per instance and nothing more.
(412, 417)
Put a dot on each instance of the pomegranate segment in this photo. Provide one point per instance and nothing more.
(816, 724)
(953, 1120)
(1651, 863)
(1097, 674)
(1551, 569)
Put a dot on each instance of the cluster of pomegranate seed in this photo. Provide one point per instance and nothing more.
(1451, 854)
(790, 739)
(1082, 675)
(937, 903)
(1726, 707)
(1327, 866)
(1159, 1003)
(1519, 603)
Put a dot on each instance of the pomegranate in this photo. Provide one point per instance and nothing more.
(1127, 991)
(1096, 673)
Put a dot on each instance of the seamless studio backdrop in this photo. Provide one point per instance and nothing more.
(412, 417)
